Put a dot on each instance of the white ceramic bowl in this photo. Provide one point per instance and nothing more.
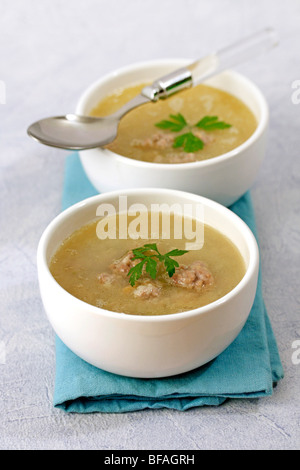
(223, 179)
(147, 346)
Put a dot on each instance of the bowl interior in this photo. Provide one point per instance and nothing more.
(213, 214)
(228, 81)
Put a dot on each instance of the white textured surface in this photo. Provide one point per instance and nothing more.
(49, 52)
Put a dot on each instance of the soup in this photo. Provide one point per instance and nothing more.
(104, 273)
(196, 124)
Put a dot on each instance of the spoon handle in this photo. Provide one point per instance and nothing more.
(242, 51)
(192, 74)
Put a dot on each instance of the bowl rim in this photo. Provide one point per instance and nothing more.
(246, 232)
(261, 126)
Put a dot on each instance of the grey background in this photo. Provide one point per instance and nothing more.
(50, 51)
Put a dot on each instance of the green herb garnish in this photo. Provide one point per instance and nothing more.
(189, 141)
(211, 123)
(175, 125)
(149, 256)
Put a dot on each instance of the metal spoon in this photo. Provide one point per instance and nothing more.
(74, 132)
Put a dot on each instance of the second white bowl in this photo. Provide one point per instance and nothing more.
(224, 179)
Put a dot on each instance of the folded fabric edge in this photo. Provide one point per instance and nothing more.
(121, 404)
(276, 366)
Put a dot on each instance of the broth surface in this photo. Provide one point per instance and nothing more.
(83, 256)
(140, 139)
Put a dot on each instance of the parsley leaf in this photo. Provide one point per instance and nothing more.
(151, 267)
(170, 265)
(176, 252)
(211, 123)
(150, 256)
(136, 272)
(189, 142)
(176, 125)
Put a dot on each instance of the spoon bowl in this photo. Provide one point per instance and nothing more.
(79, 132)
(74, 132)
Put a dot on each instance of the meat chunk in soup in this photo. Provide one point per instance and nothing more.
(163, 140)
(106, 278)
(159, 140)
(173, 157)
(124, 264)
(193, 276)
(147, 290)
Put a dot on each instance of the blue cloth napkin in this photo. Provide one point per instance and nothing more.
(248, 368)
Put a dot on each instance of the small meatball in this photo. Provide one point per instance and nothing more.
(159, 140)
(147, 290)
(179, 157)
(106, 278)
(201, 134)
(124, 264)
(194, 276)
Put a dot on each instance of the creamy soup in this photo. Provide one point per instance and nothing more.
(207, 122)
(98, 272)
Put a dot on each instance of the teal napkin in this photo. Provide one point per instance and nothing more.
(248, 368)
